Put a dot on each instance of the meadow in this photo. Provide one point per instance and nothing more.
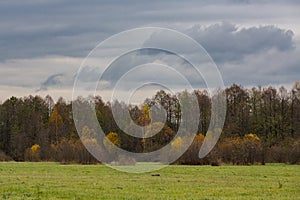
(47, 180)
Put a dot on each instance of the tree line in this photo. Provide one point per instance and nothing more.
(261, 125)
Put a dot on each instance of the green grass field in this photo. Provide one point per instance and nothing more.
(55, 181)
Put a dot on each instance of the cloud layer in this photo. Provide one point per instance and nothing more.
(42, 42)
(226, 42)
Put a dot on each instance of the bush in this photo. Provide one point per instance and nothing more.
(190, 157)
(240, 151)
(4, 157)
(71, 151)
(278, 154)
(252, 148)
(83, 156)
(294, 156)
(229, 150)
(287, 151)
(33, 153)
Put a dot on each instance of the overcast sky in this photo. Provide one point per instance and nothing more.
(43, 42)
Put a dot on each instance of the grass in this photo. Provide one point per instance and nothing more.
(54, 181)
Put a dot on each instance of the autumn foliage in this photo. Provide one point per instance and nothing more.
(262, 125)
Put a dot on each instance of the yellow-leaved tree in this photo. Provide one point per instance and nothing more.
(177, 144)
(55, 122)
(33, 153)
(111, 140)
(145, 116)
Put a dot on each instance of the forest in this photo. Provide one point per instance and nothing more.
(262, 125)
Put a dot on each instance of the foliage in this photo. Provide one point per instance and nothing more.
(259, 122)
(4, 157)
(236, 150)
(33, 153)
(110, 142)
(113, 138)
(191, 155)
(160, 135)
(71, 151)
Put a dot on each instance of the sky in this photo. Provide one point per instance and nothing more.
(44, 42)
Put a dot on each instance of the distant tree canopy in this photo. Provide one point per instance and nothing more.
(258, 121)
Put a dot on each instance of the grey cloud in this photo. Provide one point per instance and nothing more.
(72, 28)
(38, 28)
(88, 74)
(128, 62)
(226, 42)
(53, 80)
(253, 1)
(123, 66)
(273, 67)
(234, 49)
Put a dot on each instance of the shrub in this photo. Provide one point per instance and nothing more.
(229, 150)
(278, 154)
(33, 153)
(71, 151)
(240, 151)
(83, 156)
(294, 156)
(252, 148)
(4, 157)
(190, 157)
